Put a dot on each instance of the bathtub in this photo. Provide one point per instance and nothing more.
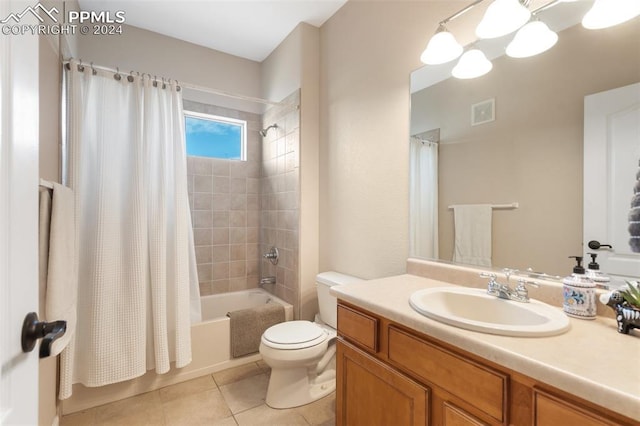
(210, 339)
(210, 350)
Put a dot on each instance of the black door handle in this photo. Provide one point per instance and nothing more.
(595, 245)
(34, 329)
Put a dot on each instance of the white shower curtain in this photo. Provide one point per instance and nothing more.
(138, 287)
(423, 196)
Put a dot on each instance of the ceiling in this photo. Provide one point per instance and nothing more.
(250, 29)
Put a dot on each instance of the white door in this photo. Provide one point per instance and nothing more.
(611, 161)
(18, 220)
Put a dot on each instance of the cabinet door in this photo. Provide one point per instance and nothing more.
(370, 393)
(551, 411)
(454, 416)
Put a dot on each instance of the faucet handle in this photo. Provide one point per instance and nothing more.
(521, 289)
(488, 275)
(508, 272)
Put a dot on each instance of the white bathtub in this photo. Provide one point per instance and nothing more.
(210, 350)
(211, 339)
(215, 307)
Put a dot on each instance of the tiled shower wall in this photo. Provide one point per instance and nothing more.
(280, 213)
(225, 205)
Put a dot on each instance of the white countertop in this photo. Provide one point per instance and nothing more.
(592, 360)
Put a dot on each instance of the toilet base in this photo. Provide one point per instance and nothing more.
(293, 387)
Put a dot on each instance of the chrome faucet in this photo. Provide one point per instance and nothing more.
(520, 293)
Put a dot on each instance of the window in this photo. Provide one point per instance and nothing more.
(215, 137)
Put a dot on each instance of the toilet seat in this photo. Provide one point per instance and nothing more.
(293, 335)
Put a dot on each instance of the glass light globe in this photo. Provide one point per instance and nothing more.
(502, 17)
(607, 13)
(442, 48)
(532, 39)
(472, 64)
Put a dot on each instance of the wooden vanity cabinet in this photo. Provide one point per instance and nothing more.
(388, 374)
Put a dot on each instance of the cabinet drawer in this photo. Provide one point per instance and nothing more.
(552, 411)
(473, 383)
(358, 327)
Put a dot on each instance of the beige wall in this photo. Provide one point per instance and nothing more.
(368, 50)
(145, 51)
(294, 64)
(532, 152)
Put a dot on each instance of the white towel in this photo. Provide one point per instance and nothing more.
(61, 276)
(472, 224)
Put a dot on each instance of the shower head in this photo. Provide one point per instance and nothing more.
(263, 132)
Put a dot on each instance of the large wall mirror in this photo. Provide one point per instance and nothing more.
(528, 151)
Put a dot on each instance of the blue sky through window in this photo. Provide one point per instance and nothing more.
(212, 138)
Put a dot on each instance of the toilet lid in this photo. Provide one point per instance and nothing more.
(294, 333)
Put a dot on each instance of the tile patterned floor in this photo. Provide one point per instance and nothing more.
(233, 397)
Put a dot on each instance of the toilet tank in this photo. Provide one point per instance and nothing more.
(328, 303)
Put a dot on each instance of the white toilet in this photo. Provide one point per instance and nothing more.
(301, 354)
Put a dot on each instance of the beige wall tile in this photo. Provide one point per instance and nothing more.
(238, 284)
(238, 252)
(238, 186)
(201, 166)
(238, 218)
(252, 235)
(220, 236)
(220, 167)
(237, 269)
(220, 253)
(204, 272)
(238, 202)
(220, 271)
(219, 286)
(202, 219)
(203, 254)
(220, 219)
(237, 235)
(220, 202)
(202, 184)
(220, 185)
(202, 201)
(205, 288)
(253, 186)
(202, 236)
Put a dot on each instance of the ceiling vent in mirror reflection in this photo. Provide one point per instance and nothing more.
(483, 112)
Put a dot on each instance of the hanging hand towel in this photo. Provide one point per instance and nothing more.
(472, 224)
(61, 276)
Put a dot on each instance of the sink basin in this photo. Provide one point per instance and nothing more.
(473, 309)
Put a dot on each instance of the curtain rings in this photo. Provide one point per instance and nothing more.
(80, 66)
(130, 77)
(117, 75)
(93, 70)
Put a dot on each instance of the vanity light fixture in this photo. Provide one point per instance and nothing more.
(532, 39)
(503, 17)
(443, 47)
(607, 13)
(473, 63)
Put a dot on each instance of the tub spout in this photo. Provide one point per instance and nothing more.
(267, 280)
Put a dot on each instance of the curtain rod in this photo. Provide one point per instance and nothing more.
(497, 206)
(184, 85)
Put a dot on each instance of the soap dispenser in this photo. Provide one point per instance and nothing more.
(593, 272)
(579, 293)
